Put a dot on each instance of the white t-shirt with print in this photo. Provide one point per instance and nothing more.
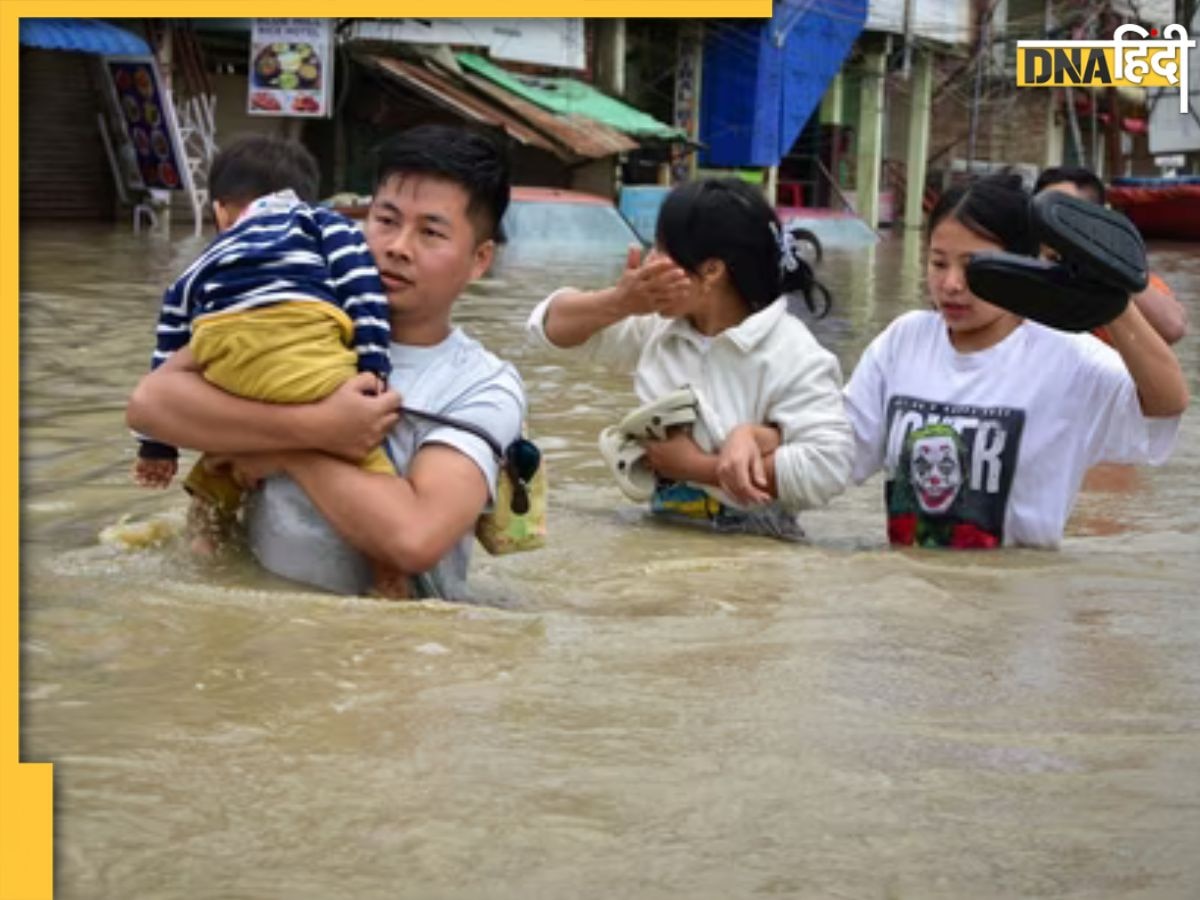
(1026, 418)
(456, 378)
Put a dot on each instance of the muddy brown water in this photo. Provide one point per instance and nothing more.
(636, 711)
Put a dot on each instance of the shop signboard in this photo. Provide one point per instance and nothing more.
(544, 42)
(291, 68)
(149, 120)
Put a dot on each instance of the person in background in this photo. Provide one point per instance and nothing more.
(1157, 302)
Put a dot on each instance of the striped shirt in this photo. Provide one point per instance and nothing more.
(281, 249)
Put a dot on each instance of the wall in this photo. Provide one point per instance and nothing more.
(598, 176)
(64, 172)
(232, 118)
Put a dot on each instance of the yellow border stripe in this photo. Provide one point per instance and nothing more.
(520, 9)
(26, 791)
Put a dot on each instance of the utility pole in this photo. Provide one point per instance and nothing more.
(980, 59)
(1115, 165)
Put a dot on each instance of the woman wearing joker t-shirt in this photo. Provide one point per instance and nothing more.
(984, 422)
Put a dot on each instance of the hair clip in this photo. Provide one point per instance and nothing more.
(789, 254)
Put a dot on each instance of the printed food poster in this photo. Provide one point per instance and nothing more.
(146, 113)
(291, 67)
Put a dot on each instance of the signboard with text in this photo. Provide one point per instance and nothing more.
(149, 120)
(291, 68)
(544, 42)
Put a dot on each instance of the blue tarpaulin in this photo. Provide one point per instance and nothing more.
(762, 81)
(82, 36)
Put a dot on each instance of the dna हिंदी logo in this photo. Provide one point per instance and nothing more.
(1145, 60)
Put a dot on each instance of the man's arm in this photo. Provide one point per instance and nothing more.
(175, 404)
(407, 522)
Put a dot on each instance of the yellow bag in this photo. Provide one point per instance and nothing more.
(517, 519)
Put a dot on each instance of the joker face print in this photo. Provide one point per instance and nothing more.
(935, 468)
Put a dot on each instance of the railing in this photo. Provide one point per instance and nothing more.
(895, 173)
(195, 104)
(808, 186)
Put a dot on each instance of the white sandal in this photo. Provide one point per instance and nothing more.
(651, 421)
(627, 460)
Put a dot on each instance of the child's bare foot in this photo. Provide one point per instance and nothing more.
(203, 546)
(207, 531)
(154, 473)
(391, 584)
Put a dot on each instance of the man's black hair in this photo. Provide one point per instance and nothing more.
(474, 161)
(1082, 178)
(252, 165)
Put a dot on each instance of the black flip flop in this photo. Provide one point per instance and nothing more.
(1098, 243)
(1044, 291)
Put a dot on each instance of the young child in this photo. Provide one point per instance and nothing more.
(984, 422)
(283, 306)
(708, 312)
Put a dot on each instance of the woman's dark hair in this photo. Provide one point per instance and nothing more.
(471, 159)
(995, 207)
(1084, 179)
(730, 220)
(253, 165)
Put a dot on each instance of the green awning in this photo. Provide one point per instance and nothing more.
(566, 97)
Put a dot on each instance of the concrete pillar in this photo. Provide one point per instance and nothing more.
(870, 137)
(618, 55)
(688, 72)
(833, 103)
(610, 56)
(918, 137)
(833, 115)
(861, 302)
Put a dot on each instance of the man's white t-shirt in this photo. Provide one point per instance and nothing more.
(456, 378)
(991, 447)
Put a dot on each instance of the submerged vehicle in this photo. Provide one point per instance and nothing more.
(569, 226)
(546, 226)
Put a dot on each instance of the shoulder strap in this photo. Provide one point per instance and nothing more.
(474, 429)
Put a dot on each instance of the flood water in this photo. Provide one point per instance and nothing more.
(635, 711)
